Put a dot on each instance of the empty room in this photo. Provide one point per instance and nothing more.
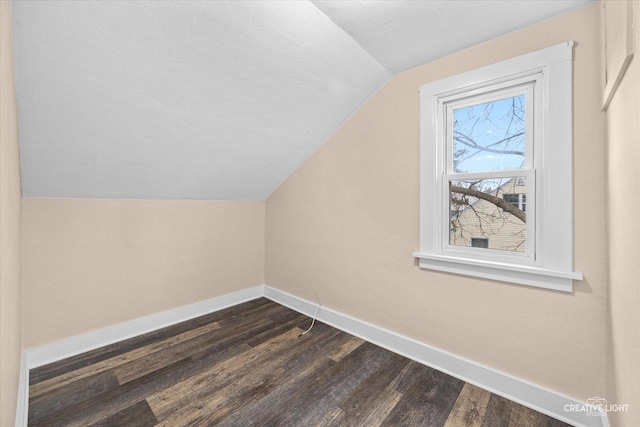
(319, 213)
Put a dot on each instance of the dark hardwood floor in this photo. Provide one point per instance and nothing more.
(248, 365)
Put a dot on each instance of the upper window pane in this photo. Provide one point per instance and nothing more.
(490, 136)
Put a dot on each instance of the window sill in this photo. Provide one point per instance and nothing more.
(523, 275)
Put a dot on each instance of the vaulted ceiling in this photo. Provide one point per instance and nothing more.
(215, 100)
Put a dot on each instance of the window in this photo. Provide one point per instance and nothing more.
(479, 243)
(518, 200)
(496, 166)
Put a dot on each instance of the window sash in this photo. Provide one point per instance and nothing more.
(525, 85)
(485, 95)
(444, 247)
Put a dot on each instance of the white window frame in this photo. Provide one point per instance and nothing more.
(523, 85)
(548, 260)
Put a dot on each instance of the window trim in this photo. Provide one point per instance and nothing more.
(553, 173)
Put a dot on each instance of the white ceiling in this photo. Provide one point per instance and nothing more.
(405, 34)
(215, 100)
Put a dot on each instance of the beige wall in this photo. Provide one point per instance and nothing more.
(89, 264)
(346, 223)
(623, 135)
(10, 191)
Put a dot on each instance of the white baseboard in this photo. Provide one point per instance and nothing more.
(48, 353)
(22, 408)
(531, 395)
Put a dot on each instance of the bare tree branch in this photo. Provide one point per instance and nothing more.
(499, 202)
(466, 140)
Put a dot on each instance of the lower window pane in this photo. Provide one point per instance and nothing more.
(488, 213)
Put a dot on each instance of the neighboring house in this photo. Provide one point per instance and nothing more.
(480, 223)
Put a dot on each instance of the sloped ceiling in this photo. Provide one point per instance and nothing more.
(215, 100)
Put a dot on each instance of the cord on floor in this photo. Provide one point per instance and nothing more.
(315, 315)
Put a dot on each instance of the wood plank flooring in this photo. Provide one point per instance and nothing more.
(248, 365)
